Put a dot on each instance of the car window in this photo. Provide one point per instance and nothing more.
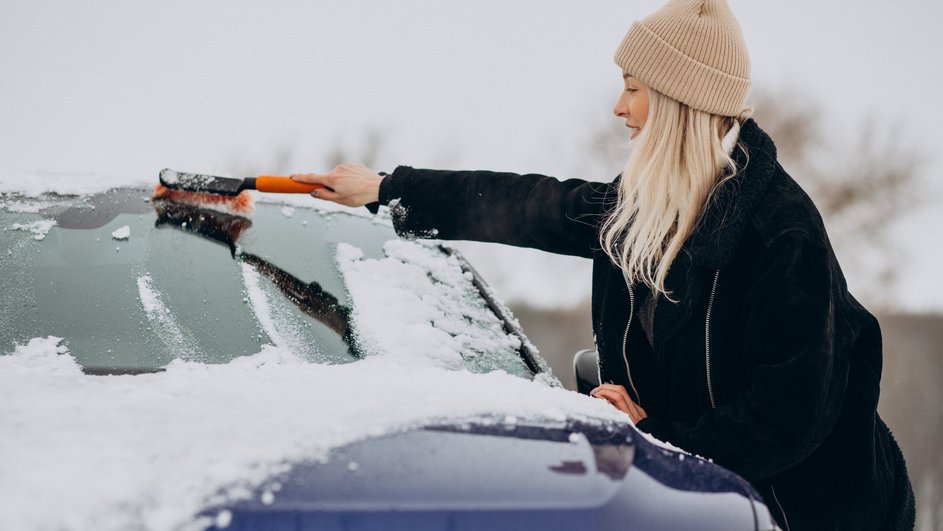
(131, 285)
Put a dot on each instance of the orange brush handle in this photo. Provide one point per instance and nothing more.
(284, 185)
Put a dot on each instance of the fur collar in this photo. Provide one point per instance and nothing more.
(717, 235)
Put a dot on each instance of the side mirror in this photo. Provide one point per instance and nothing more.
(586, 368)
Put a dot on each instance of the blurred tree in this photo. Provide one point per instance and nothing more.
(367, 154)
(862, 183)
(284, 159)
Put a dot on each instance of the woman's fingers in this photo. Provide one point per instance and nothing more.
(620, 399)
(618, 389)
(326, 193)
(613, 398)
(310, 178)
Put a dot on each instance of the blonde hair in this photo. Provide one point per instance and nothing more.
(677, 163)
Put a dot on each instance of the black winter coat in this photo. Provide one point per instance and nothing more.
(766, 364)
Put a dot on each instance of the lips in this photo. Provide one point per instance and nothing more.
(635, 131)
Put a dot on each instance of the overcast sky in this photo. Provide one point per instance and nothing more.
(129, 87)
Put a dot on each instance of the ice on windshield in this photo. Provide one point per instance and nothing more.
(417, 303)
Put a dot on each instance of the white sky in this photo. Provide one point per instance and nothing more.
(130, 87)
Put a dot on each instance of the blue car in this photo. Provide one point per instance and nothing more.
(132, 286)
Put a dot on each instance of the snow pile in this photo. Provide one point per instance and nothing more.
(426, 287)
(39, 229)
(35, 184)
(150, 451)
(20, 206)
(122, 233)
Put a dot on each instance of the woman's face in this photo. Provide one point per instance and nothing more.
(633, 105)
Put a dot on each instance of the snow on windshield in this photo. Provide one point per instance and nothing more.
(163, 322)
(439, 314)
(150, 451)
(39, 229)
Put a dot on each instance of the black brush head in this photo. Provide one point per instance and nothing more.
(196, 182)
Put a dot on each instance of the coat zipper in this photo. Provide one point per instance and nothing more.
(707, 339)
(710, 386)
(625, 339)
(780, 506)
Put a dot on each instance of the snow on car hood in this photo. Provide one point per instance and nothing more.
(149, 451)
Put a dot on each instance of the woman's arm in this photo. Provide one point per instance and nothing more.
(797, 367)
(522, 210)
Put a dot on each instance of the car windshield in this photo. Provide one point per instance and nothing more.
(132, 284)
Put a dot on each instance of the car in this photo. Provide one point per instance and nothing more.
(172, 366)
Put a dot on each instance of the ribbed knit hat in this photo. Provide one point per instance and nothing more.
(691, 51)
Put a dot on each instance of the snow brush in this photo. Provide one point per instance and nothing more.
(223, 193)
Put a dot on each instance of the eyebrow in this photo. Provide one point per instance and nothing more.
(626, 76)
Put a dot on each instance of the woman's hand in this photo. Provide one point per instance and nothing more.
(619, 397)
(350, 185)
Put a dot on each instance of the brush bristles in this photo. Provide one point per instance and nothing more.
(237, 204)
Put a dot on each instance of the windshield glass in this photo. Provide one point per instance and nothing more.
(132, 284)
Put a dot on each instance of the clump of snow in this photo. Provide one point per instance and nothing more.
(287, 211)
(39, 229)
(223, 519)
(665, 445)
(427, 287)
(152, 442)
(122, 233)
(20, 206)
(162, 321)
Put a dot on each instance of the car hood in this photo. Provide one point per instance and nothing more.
(502, 475)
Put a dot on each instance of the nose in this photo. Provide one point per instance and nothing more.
(621, 109)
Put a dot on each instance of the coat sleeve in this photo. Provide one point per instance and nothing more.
(522, 210)
(797, 367)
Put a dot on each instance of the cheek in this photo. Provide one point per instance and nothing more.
(639, 108)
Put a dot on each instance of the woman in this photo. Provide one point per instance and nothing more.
(721, 316)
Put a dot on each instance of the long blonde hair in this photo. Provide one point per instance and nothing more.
(677, 163)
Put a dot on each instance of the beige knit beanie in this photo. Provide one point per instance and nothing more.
(691, 51)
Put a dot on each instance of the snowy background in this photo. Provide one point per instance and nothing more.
(121, 89)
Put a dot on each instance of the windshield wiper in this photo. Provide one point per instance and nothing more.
(225, 229)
